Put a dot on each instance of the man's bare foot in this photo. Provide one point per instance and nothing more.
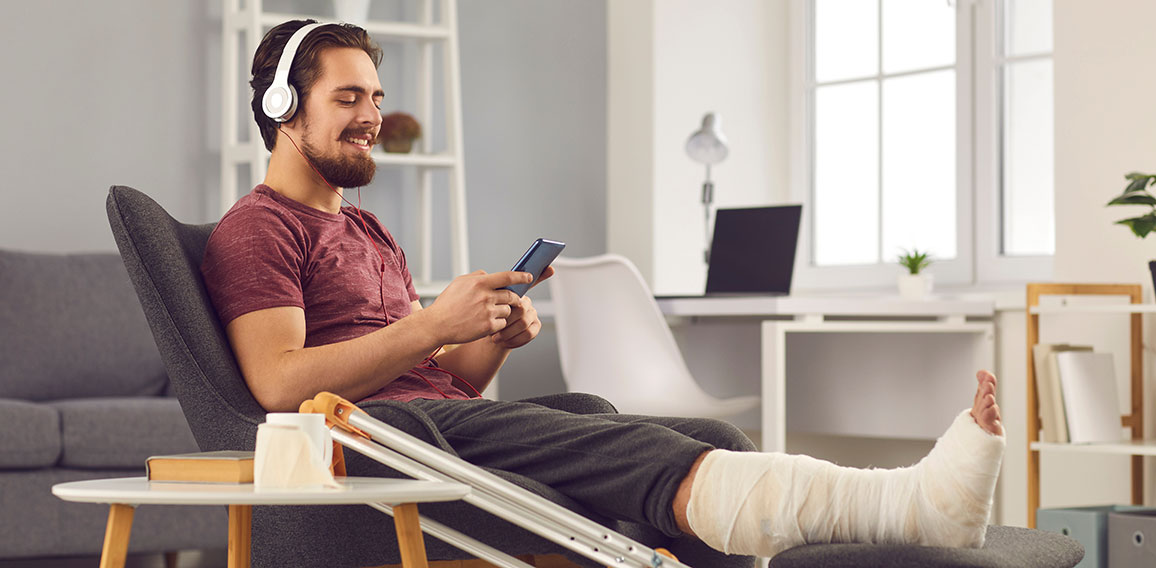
(985, 411)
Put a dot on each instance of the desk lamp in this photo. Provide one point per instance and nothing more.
(707, 146)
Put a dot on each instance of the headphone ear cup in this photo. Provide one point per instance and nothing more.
(292, 110)
(279, 102)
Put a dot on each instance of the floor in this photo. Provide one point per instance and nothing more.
(187, 559)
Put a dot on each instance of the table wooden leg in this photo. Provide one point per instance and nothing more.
(240, 535)
(116, 536)
(409, 539)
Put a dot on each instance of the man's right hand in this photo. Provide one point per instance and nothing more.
(473, 306)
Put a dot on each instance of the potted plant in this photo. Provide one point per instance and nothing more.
(398, 131)
(1136, 193)
(915, 284)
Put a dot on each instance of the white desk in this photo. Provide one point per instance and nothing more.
(123, 494)
(866, 366)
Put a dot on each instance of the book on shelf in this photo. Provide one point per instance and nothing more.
(1089, 383)
(225, 466)
(1053, 418)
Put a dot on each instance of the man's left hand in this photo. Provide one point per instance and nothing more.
(522, 326)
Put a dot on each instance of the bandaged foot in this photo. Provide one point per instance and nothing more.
(763, 503)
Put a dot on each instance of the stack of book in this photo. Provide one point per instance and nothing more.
(1077, 393)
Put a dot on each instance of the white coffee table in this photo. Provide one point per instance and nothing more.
(124, 494)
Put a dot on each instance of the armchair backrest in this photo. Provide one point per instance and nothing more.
(163, 258)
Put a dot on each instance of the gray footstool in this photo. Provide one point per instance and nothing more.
(1005, 547)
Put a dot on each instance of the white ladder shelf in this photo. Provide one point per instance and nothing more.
(248, 25)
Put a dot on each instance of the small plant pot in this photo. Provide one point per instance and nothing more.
(397, 146)
(915, 286)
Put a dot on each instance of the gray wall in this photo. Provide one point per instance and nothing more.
(99, 93)
(126, 92)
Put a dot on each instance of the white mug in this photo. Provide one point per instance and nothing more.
(314, 427)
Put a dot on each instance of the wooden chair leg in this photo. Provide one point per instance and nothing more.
(240, 535)
(116, 535)
(409, 538)
(171, 558)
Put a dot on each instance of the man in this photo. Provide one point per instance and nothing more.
(316, 297)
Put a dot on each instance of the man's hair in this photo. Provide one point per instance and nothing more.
(305, 69)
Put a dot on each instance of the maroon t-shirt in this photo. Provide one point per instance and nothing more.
(270, 251)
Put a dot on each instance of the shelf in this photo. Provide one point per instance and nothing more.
(430, 289)
(399, 30)
(1122, 448)
(424, 160)
(1096, 309)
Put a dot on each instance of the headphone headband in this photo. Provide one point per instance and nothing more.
(280, 99)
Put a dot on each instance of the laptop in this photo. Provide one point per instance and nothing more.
(753, 251)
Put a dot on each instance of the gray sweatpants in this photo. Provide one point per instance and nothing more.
(623, 466)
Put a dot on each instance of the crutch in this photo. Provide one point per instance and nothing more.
(355, 429)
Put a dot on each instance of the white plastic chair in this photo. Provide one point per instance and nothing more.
(614, 342)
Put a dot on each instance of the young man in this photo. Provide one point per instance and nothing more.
(317, 297)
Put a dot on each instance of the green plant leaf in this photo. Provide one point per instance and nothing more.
(1140, 226)
(1135, 198)
(1138, 184)
(1135, 175)
(913, 260)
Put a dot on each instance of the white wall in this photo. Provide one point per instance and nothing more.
(726, 57)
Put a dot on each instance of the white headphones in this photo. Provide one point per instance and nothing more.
(280, 100)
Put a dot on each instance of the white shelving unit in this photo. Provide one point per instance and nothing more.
(243, 28)
(1137, 447)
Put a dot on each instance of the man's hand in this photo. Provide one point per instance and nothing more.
(472, 306)
(521, 328)
(522, 324)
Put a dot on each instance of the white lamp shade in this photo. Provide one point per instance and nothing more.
(708, 145)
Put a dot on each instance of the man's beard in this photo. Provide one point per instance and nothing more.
(341, 171)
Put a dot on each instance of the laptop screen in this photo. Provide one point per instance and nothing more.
(753, 250)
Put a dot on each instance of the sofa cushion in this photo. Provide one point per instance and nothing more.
(121, 432)
(31, 435)
(73, 328)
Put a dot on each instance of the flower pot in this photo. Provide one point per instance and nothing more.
(397, 146)
(915, 286)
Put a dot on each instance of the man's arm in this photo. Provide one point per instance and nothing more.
(281, 372)
(478, 361)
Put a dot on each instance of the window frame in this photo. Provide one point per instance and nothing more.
(992, 266)
(979, 96)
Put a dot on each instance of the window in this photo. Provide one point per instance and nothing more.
(914, 121)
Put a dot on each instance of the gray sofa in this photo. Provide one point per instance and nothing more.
(83, 395)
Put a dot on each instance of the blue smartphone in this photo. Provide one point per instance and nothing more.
(537, 258)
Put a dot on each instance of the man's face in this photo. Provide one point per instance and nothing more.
(341, 116)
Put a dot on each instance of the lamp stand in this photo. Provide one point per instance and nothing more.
(707, 202)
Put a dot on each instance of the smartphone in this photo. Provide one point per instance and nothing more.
(537, 258)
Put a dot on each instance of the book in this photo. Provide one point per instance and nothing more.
(1089, 383)
(1053, 417)
(226, 466)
